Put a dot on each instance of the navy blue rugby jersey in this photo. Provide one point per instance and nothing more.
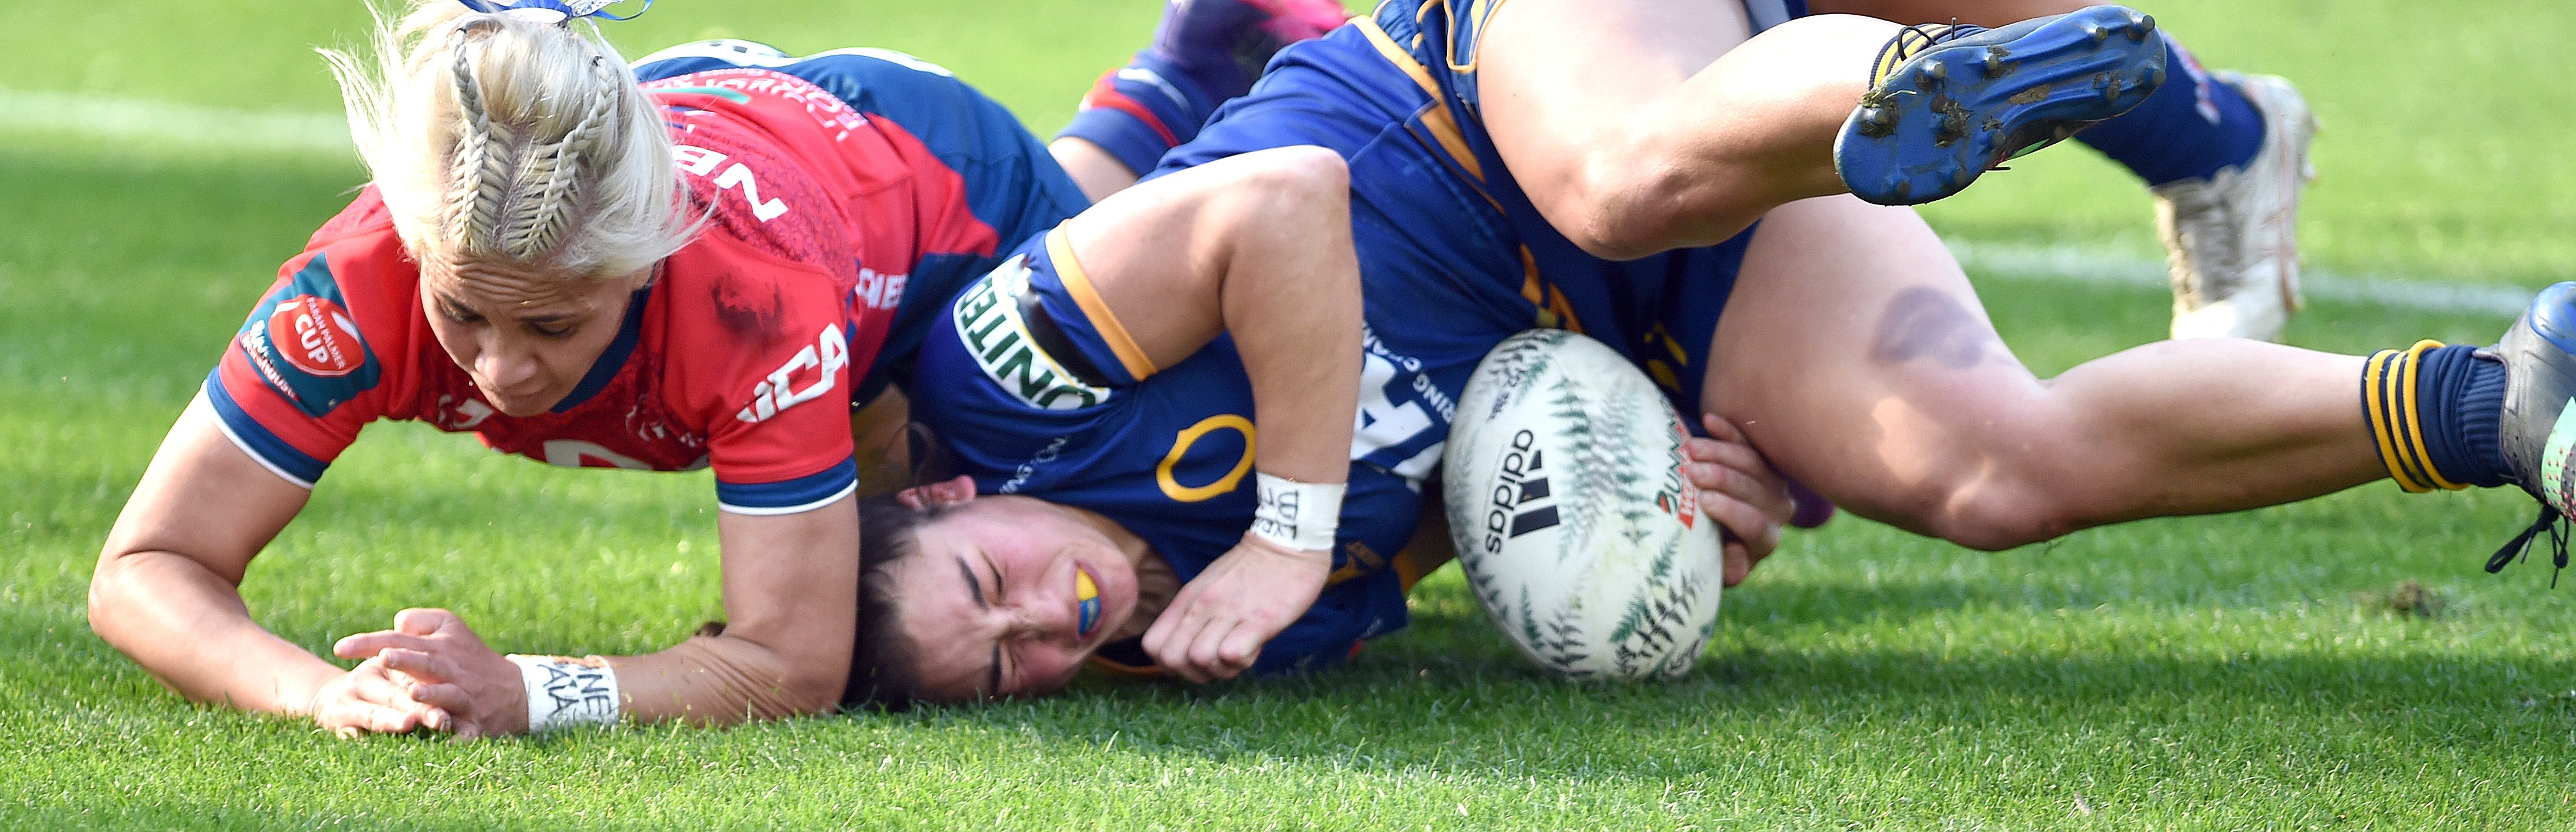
(1032, 387)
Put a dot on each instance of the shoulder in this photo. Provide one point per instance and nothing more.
(759, 188)
(752, 336)
(317, 334)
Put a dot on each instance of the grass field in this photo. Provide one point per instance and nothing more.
(2247, 671)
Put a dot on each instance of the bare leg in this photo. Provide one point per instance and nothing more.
(1093, 169)
(1644, 125)
(1979, 12)
(1857, 358)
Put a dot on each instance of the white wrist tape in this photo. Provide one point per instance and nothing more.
(565, 691)
(1298, 515)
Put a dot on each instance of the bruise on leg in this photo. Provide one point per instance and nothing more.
(1926, 323)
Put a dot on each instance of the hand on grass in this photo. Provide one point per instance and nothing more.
(1215, 627)
(466, 688)
(368, 699)
(1738, 489)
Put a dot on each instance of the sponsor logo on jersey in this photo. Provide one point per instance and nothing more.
(817, 368)
(322, 339)
(1521, 501)
(877, 290)
(699, 161)
(1020, 478)
(303, 342)
(989, 325)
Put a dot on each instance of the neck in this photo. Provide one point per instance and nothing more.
(1156, 583)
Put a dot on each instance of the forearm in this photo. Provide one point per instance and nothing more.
(189, 628)
(711, 681)
(1291, 300)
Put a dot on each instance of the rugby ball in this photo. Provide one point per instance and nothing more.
(1566, 501)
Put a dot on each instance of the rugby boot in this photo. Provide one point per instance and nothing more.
(2537, 431)
(2232, 240)
(1223, 44)
(1948, 103)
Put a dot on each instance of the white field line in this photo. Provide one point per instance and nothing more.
(216, 128)
(163, 122)
(2084, 264)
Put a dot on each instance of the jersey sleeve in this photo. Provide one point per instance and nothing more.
(765, 356)
(300, 377)
(788, 449)
(1066, 317)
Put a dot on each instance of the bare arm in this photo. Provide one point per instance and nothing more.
(166, 590)
(791, 591)
(1258, 247)
(881, 433)
(790, 596)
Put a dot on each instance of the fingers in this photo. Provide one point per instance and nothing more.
(1738, 564)
(1203, 650)
(1238, 651)
(368, 645)
(369, 699)
(425, 622)
(1759, 531)
(429, 668)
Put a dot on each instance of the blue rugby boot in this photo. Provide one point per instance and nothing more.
(1948, 103)
(2538, 430)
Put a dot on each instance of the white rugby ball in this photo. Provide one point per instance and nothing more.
(1572, 520)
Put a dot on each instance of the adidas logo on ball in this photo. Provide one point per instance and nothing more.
(1518, 482)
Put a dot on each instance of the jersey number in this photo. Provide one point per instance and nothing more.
(1382, 423)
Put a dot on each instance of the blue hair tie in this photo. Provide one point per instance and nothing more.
(569, 9)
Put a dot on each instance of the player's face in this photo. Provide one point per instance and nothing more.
(993, 598)
(526, 339)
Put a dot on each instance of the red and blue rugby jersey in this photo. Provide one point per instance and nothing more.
(742, 354)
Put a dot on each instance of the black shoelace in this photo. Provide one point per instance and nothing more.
(2550, 521)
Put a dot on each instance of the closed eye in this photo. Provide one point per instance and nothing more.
(457, 313)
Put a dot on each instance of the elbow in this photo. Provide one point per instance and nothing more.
(810, 692)
(1292, 184)
(106, 600)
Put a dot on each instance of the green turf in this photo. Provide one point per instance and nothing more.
(2223, 673)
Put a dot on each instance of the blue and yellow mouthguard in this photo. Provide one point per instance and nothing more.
(1087, 596)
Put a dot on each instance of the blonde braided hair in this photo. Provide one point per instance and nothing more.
(498, 137)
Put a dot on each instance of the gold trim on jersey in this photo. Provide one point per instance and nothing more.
(1078, 284)
(1444, 127)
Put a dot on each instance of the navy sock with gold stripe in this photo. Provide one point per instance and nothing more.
(2435, 411)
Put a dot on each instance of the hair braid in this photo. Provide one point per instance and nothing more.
(547, 194)
(493, 137)
(481, 172)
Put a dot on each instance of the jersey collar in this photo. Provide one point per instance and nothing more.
(614, 358)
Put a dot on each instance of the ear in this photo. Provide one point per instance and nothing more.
(938, 494)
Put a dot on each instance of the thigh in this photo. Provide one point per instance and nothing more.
(1553, 76)
(1856, 356)
(1980, 12)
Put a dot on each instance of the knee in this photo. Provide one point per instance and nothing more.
(1993, 523)
(1620, 203)
(2002, 504)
